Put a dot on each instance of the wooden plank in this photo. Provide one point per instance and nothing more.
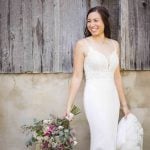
(27, 36)
(124, 32)
(133, 36)
(48, 35)
(5, 57)
(147, 37)
(56, 50)
(72, 25)
(37, 36)
(94, 3)
(16, 36)
(143, 35)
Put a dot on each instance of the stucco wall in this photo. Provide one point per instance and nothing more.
(27, 96)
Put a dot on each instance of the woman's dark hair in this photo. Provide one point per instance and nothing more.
(104, 15)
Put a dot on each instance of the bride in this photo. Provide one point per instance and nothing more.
(97, 55)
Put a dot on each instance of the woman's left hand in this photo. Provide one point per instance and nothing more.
(126, 111)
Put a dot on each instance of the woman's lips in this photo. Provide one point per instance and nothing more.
(93, 30)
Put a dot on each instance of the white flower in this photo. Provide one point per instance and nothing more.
(46, 138)
(49, 121)
(45, 129)
(34, 134)
(39, 139)
(69, 117)
(45, 121)
(54, 144)
(60, 127)
(75, 142)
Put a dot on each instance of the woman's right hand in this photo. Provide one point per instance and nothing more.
(126, 110)
(68, 115)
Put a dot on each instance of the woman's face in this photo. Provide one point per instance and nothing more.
(95, 24)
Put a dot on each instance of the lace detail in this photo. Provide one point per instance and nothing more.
(97, 65)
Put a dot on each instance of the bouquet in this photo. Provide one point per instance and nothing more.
(52, 134)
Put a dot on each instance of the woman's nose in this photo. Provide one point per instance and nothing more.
(92, 24)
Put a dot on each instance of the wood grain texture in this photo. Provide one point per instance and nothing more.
(5, 59)
(72, 25)
(38, 36)
(48, 36)
(135, 35)
(16, 35)
(27, 36)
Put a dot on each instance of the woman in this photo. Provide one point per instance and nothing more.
(98, 56)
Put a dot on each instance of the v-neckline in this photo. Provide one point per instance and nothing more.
(100, 53)
(106, 59)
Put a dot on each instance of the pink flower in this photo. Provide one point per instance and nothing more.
(50, 130)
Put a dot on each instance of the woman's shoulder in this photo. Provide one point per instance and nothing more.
(81, 45)
(116, 45)
(81, 41)
(114, 41)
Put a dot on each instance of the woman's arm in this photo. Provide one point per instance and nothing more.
(78, 61)
(119, 85)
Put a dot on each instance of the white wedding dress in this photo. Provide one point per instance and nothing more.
(101, 100)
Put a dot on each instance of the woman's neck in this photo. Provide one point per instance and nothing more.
(99, 38)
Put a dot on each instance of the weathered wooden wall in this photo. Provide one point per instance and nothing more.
(135, 34)
(38, 36)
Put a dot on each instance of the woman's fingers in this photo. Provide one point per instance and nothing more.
(127, 114)
(126, 111)
(69, 116)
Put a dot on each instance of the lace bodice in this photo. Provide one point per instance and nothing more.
(99, 65)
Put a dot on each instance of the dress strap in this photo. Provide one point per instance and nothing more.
(88, 45)
(115, 48)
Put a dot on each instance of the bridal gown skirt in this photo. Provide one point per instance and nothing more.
(102, 106)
